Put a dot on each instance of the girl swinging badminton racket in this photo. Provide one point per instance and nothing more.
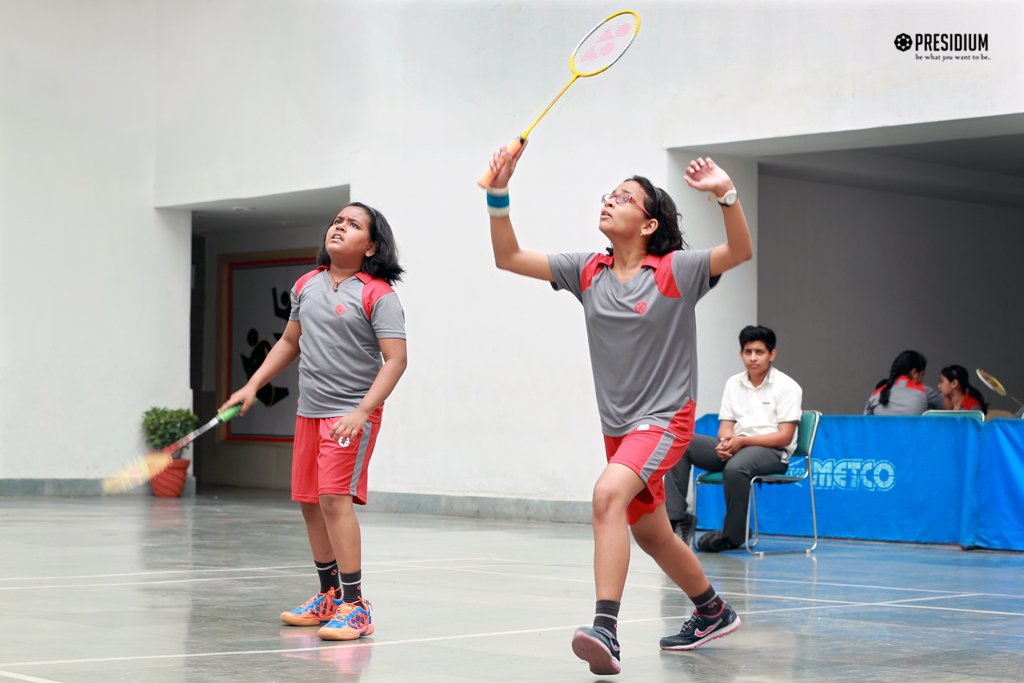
(347, 329)
(638, 301)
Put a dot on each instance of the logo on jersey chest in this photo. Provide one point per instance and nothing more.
(340, 309)
(641, 307)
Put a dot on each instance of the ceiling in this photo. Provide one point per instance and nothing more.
(1001, 154)
(288, 209)
(978, 160)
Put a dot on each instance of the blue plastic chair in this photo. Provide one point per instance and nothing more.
(806, 432)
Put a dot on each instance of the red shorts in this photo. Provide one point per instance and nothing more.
(320, 465)
(650, 452)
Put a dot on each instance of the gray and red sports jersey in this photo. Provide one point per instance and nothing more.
(907, 397)
(339, 352)
(642, 334)
(968, 402)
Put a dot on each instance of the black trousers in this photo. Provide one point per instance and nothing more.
(737, 473)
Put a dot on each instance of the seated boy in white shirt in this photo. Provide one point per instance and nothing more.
(756, 435)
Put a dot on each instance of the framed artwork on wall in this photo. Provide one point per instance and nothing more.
(255, 302)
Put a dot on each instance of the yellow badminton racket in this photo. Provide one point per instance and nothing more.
(995, 385)
(599, 49)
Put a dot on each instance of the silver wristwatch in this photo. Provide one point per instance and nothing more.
(729, 198)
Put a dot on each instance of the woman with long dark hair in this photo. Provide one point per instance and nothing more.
(902, 392)
(957, 391)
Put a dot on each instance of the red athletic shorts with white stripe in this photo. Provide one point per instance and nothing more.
(324, 466)
(651, 451)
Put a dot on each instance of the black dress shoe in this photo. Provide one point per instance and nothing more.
(715, 542)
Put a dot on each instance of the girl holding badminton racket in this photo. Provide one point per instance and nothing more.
(638, 301)
(347, 329)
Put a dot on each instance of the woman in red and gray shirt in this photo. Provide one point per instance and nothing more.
(957, 392)
(638, 302)
(902, 393)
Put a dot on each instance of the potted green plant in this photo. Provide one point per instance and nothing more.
(162, 427)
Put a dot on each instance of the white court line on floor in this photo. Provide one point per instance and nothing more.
(834, 584)
(406, 565)
(207, 579)
(374, 644)
(671, 588)
(953, 609)
(764, 596)
(160, 582)
(451, 559)
(21, 677)
(435, 639)
(152, 572)
(801, 582)
(798, 582)
(895, 603)
(206, 570)
(906, 601)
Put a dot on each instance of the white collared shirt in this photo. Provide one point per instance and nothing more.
(760, 410)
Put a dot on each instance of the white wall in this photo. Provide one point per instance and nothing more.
(95, 282)
(754, 70)
(732, 304)
(851, 277)
(166, 103)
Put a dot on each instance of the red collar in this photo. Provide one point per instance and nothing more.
(910, 383)
(968, 402)
(650, 261)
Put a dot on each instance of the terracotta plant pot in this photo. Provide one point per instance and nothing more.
(171, 482)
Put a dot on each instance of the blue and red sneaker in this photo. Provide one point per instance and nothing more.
(352, 620)
(319, 609)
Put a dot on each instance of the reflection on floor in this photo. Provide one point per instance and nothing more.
(140, 589)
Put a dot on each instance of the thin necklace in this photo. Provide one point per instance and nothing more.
(336, 282)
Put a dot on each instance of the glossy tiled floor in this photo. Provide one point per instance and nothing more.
(137, 589)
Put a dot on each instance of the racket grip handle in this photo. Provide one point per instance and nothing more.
(231, 412)
(512, 148)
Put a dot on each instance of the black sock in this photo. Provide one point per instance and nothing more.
(351, 586)
(328, 573)
(606, 614)
(708, 603)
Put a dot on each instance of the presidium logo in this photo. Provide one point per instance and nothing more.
(945, 47)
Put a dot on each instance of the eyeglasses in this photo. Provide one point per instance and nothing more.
(625, 198)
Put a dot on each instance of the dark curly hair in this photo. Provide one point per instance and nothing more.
(669, 236)
(384, 262)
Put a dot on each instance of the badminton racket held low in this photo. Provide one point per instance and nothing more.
(141, 470)
(995, 385)
(599, 49)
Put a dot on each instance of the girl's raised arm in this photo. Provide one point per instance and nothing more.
(507, 254)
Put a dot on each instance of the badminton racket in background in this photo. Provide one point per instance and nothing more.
(996, 386)
(141, 470)
(599, 49)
